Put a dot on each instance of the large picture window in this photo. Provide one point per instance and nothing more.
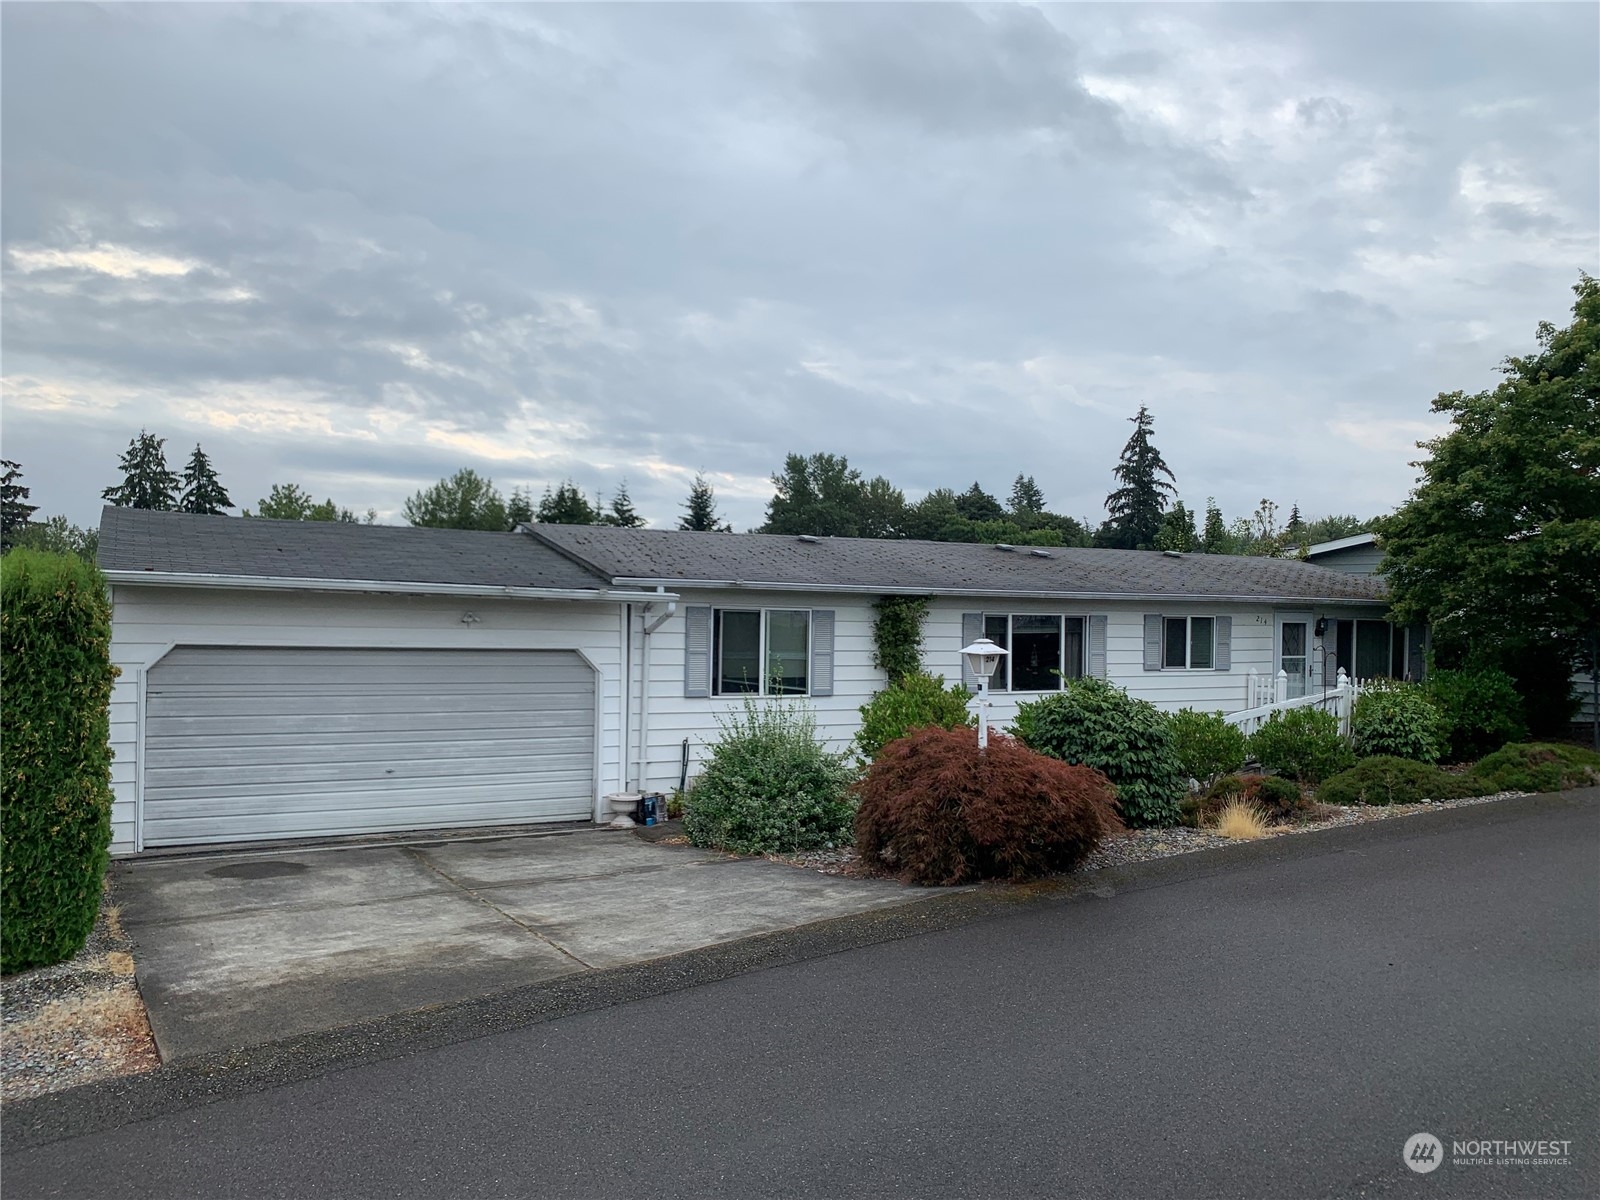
(1044, 650)
(761, 652)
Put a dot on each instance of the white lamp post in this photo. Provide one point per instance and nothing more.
(983, 658)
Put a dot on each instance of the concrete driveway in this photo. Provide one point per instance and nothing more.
(239, 949)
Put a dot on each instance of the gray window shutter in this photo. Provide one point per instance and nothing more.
(1097, 647)
(822, 652)
(1222, 657)
(697, 651)
(971, 631)
(1152, 641)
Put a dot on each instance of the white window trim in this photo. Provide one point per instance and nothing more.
(1061, 650)
(716, 646)
(1188, 642)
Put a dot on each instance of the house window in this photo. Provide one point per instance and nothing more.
(1190, 642)
(1044, 650)
(761, 651)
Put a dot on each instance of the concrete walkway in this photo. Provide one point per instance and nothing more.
(236, 950)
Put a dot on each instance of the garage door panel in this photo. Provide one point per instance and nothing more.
(313, 800)
(392, 772)
(271, 742)
(333, 822)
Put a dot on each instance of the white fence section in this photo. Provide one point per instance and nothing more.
(1268, 694)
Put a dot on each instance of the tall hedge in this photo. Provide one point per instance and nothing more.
(55, 757)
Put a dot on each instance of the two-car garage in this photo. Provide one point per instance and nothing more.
(247, 743)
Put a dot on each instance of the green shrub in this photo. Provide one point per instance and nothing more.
(1397, 720)
(770, 786)
(55, 757)
(913, 701)
(1099, 725)
(1537, 767)
(1481, 711)
(1385, 779)
(1206, 745)
(937, 810)
(1302, 743)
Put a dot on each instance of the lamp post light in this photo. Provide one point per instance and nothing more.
(983, 658)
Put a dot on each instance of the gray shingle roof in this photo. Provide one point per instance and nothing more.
(183, 543)
(941, 568)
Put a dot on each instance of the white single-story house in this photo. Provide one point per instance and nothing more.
(287, 679)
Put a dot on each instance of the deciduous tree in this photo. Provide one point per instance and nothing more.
(1499, 545)
(466, 500)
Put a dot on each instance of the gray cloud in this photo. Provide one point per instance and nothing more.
(359, 247)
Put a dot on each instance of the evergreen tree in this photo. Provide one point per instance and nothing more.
(1295, 530)
(1026, 498)
(146, 480)
(622, 513)
(701, 515)
(566, 506)
(1177, 530)
(202, 490)
(466, 500)
(1137, 506)
(519, 509)
(975, 504)
(15, 511)
(1215, 539)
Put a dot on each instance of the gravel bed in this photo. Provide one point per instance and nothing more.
(76, 1021)
(1142, 845)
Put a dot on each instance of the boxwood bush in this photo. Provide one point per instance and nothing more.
(1206, 745)
(912, 701)
(1481, 711)
(55, 757)
(770, 786)
(1537, 767)
(1097, 724)
(1398, 720)
(1302, 743)
(1385, 779)
(936, 810)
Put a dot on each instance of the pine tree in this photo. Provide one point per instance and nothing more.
(147, 482)
(566, 506)
(1026, 498)
(975, 504)
(1295, 531)
(1215, 538)
(622, 513)
(519, 508)
(15, 511)
(1137, 506)
(701, 515)
(202, 490)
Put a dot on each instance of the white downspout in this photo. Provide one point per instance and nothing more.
(650, 626)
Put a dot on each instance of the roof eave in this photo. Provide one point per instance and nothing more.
(1012, 593)
(286, 583)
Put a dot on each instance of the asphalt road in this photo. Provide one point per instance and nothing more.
(1275, 1030)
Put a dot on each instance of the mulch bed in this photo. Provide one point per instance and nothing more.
(77, 1021)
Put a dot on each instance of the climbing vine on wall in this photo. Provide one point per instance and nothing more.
(897, 634)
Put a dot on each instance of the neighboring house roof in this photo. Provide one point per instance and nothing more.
(646, 557)
(141, 544)
(1344, 543)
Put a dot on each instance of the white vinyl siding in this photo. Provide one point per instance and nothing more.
(149, 622)
(246, 743)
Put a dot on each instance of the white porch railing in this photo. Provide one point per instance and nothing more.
(1268, 694)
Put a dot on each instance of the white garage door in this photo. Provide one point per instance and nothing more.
(243, 744)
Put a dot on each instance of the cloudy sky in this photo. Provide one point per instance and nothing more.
(358, 247)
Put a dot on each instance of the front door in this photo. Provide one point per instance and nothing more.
(1293, 653)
